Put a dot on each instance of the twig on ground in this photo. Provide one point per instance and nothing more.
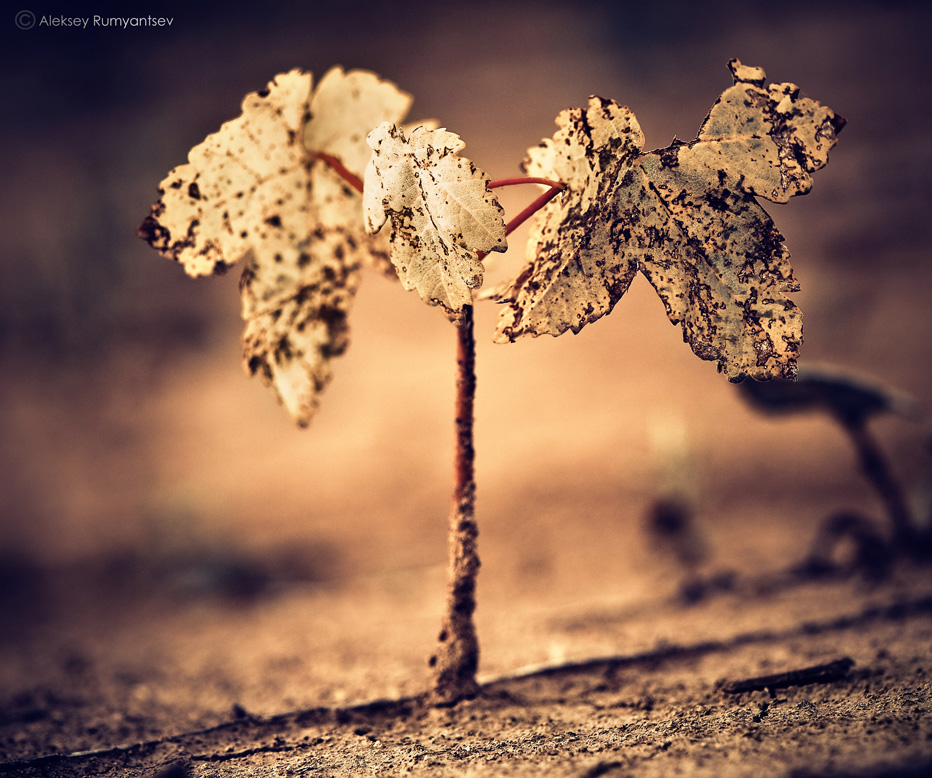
(824, 673)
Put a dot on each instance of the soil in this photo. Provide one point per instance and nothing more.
(140, 685)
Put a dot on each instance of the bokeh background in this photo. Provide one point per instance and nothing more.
(134, 449)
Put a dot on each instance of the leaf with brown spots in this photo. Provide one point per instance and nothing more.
(441, 209)
(257, 191)
(685, 216)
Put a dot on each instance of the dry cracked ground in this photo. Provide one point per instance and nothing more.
(779, 675)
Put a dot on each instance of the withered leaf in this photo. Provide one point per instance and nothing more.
(256, 190)
(685, 216)
(441, 209)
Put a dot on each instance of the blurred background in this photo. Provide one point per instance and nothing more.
(134, 448)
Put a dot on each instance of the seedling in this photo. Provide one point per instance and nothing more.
(852, 403)
(300, 185)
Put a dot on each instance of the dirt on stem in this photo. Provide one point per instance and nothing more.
(457, 657)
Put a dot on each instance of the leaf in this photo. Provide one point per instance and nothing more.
(441, 210)
(255, 191)
(768, 142)
(684, 216)
(576, 267)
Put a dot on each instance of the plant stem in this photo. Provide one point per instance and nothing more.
(526, 180)
(457, 657)
(875, 466)
(533, 208)
(338, 167)
(555, 188)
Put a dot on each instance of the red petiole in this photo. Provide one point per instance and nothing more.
(345, 174)
(555, 188)
(526, 180)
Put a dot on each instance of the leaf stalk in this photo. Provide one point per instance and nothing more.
(533, 208)
(555, 188)
(351, 178)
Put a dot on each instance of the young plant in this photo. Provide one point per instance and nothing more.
(300, 185)
(853, 403)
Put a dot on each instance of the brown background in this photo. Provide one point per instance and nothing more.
(138, 461)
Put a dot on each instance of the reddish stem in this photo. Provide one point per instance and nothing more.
(515, 181)
(555, 188)
(457, 657)
(533, 208)
(338, 167)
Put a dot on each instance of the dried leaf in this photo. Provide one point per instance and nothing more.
(685, 216)
(255, 191)
(441, 209)
(577, 268)
(767, 142)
